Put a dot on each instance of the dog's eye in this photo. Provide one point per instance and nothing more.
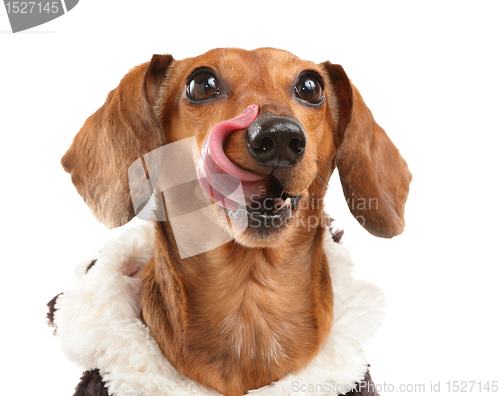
(203, 85)
(309, 88)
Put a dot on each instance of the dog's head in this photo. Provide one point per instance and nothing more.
(300, 120)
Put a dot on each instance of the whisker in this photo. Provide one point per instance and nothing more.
(321, 157)
(325, 183)
(348, 184)
(324, 164)
(293, 247)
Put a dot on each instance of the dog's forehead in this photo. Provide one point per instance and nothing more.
(258, 63)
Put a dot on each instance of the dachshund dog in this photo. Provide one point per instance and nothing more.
(259, 307)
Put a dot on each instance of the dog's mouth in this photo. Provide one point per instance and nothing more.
(273, 209)
(262, 197)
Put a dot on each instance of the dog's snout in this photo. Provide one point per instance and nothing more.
(276, 141)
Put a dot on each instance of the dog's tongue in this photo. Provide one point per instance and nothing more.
(219, 177)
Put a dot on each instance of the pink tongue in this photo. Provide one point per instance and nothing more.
(219, 177)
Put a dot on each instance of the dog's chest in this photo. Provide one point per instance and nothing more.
(265, 327)
(266, 319)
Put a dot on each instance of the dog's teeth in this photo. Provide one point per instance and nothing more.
(286, 202)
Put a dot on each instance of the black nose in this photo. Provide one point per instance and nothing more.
(276, 141)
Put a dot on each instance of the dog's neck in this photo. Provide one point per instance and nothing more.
(238, 318)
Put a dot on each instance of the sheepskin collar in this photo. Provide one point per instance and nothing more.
(99, 326)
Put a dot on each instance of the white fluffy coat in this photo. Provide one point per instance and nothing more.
(99, 327)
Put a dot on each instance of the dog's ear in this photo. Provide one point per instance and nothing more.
(121, 131)
(375, 178)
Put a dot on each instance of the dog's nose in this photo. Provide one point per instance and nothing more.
(276, 141)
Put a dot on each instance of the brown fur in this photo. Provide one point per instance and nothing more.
(255, 309)
(121, 131)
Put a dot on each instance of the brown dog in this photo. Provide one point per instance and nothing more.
(261, 306)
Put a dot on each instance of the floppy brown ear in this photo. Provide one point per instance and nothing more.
(375, 178)
(121, 131)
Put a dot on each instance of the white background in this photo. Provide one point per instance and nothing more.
(429, 71)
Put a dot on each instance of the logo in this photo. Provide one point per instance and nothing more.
(168, 174)
(27, 14)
